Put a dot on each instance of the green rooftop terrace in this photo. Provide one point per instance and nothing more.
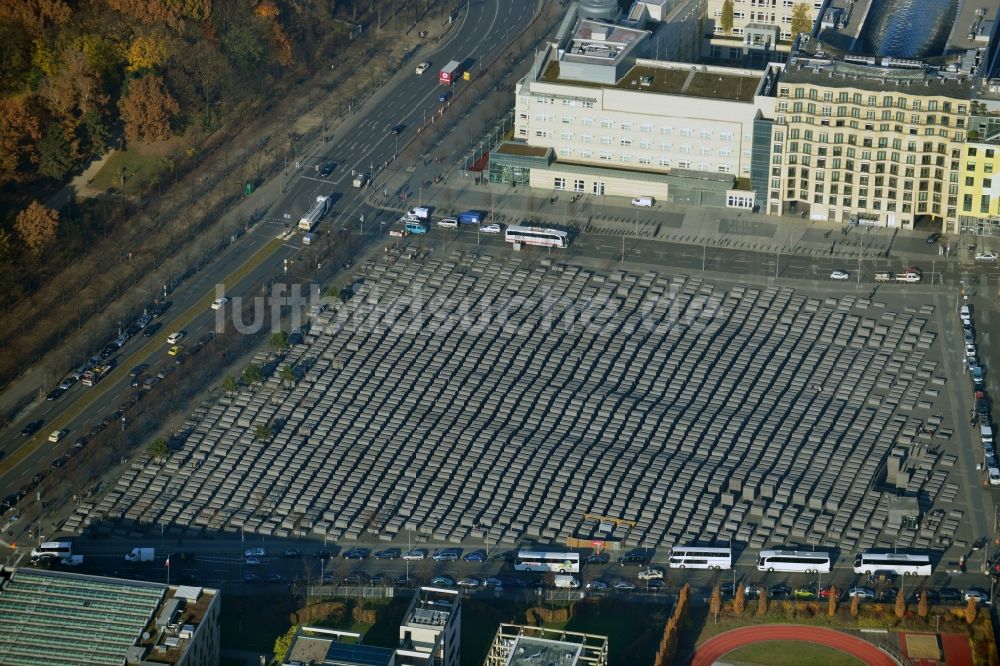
(672, 81)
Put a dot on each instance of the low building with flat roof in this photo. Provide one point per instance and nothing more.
(519, 645)
(52, 617)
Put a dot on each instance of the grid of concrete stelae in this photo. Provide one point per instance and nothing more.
(760, 415)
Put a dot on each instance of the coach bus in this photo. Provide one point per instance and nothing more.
(54, 549)
(537, 236)
(794, 561)
(899, 563)
(533, 560)
(700, 557)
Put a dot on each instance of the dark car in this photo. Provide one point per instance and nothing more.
(388, 554)
(55, 393)
(356, 578)
(138, 370)
(396, 129)
(323, 554)
(80, 443)
(151, 330)
(510, 583)
(888, 595)
(445, 96)
(475, 556)
(291, 553)
(327, 169)
(933, 238)
(357, 554)
(109, 350)
(31, 428)
(10, 501)
(779, 591)
(58, 462)
(950, 595)
(250, 577)
(37, 478)
(598, 558)
(932, 596)
(403, 581)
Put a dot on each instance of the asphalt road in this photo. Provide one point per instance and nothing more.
(482, 30)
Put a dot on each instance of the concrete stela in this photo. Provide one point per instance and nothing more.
(459, 393)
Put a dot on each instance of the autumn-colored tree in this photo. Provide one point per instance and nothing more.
(801, 19)
(267, 9)
(971, 611)
(715, 603)
(37, 226)
(35, 15)
(146, 52)
(44, 58)
(147, 108)
(285, 54)
(739, 600)
(673, 636)
(195, 9)
(900, 605)
(726, 17)
(149, 12)
(855, 604)
(831, 602)
(762, 600)
(922, 605)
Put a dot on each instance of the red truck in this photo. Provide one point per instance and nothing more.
(451, 73)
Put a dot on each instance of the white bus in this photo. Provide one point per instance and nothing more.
(899, 563)
(700, 557)
(793, 560)
(537, 236)
(54, 549)
(533, 560)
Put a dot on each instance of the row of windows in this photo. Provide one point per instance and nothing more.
(645, 128)
(606, 156)
(855, 112)
(888, 101)
(869, 127)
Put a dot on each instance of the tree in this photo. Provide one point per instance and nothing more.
(283, 643)
(95, 132)
(855, 603)
(332, 292)
(20, 133)
(287, 375)
(740, 600)
(158, 449)
(55, 154)
(831, 603)
(900, 605)
(147, 109)
(37, 227)
(971, 611)
(146, 52)
(715, 604)
(801, 19)
(922, 605)
(252, 374)
(263, 433)
(279, 341)
(229, 385)
(726, 19)
(762, 600)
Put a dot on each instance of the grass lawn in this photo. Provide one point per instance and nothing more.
(790, 653)
(140, 168)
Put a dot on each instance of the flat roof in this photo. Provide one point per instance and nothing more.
(601, 42)
(51, 617)
(849, 75)
(530, 651)
(512, 148)
(687, 80)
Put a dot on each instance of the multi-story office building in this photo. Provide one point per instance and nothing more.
(51, 617)
(761, 29)
(517, 645)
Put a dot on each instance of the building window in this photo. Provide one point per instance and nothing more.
(686, 131)
(567, 120)
(626, 125)
(588, 122)
(586, 153)
(646, 127)
(706, 134)
(566, 136)
(645, 160)
(626, 141)
(559, 184)
(607, 124)
(666, 131)
(578, 186)
(565, 152)
(606, 156)
(683, 164)
(587, 104)
(587, 138)
(626, 158)
(606, 140)
(664, 162)
(666, 146)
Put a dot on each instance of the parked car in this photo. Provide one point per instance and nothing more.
(415, 555)
(357, 554)
(598, 558)
(254, 552)
(138, 370)
(933, 238)
(624, 586)
(445, 581)
(291, 552)
(981, 596)
(986, 256)
(804, 593)
(490, 229)
(778, 591)
(470, 582)
(650, 574)
(863, 592)
(597, 585)
(656, 585)
(950, 595)
(840, 275)
(252, 561)
(475, 556)
(445, 555)
(403, 581)
(492, 582)
(151, 330)
(356, 578)
(57, 463)
(387, 554)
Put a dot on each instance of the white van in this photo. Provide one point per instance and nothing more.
(420, 213)
(986, 432)
(566, 582)
(643, 202)
(308, 239)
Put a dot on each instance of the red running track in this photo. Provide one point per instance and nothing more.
(714, 648)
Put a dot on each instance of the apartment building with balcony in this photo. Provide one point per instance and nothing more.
(761, 30)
